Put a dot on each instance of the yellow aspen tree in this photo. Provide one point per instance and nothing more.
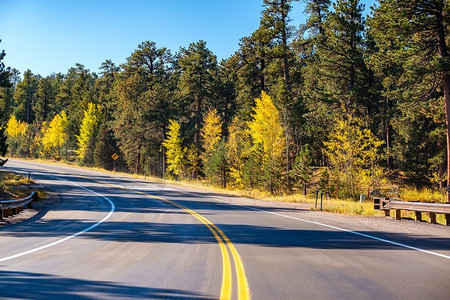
(55, 135)
(215, 161)
(15, 130)
(175, 152)
(238, 150)
(265, 127)
(267, 134)
(89, 125)
(211, 132)
(353, 153)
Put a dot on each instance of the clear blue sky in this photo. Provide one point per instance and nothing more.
(49, 36)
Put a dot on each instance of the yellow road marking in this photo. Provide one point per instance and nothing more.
(243, 290)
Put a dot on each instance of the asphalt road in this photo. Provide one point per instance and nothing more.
(120, 237)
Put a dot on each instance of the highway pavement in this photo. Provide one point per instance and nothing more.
(113, 236)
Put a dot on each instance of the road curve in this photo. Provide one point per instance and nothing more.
(120, 237)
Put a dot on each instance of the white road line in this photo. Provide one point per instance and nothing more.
(71, 236)
(340, 229)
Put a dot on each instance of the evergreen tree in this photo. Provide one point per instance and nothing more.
(4, 102)
(144, 96)
(104, 147)
(25, 97)
(3, 144)
(415, 32)
(196, 84)
(4, 71)
(44, 105)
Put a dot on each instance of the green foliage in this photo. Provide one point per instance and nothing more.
(4, 71)
(239, 150)
(3, 144)
(104, 148)
(25, 97)
(196, 84)
(216, 164)
(301, 168)
(337, 89)
(44, 106)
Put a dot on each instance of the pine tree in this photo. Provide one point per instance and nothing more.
(3, 144)
(144, 99)
(44, 106)
(4, 85)
(4, 71)
(25, 97)
(196, 84)
(104, 147)
(415, 33)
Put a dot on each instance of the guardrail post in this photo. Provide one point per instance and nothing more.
(447, 220)
(432, 218)
(398, 214)
(321, 196)
(418, 216)
(317, 195)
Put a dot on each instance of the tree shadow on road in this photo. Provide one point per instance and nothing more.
(25, 285)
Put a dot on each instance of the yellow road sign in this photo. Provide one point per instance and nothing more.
(115, 156)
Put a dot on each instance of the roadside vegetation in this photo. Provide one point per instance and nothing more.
(14, 186)
(346, 104)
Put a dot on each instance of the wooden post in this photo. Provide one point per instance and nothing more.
(398, 214)
(447, 220)
(418, 216)
(387, 213)
(432, 218)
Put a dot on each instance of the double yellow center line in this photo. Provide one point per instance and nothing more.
(224, 243)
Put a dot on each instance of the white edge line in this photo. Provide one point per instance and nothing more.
(340, 229)
(71, 236)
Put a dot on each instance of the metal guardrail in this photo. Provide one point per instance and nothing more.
(15, 206)
(386, 204)
(438, 208)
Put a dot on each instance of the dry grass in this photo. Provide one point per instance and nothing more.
(423, 194)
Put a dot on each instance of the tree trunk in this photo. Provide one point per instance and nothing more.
(285, 48)
(443, 52)
(197, 127)
(446, 84)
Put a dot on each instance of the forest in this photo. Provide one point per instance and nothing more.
(344, 103)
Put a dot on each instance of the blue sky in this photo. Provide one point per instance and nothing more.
(49, 36)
